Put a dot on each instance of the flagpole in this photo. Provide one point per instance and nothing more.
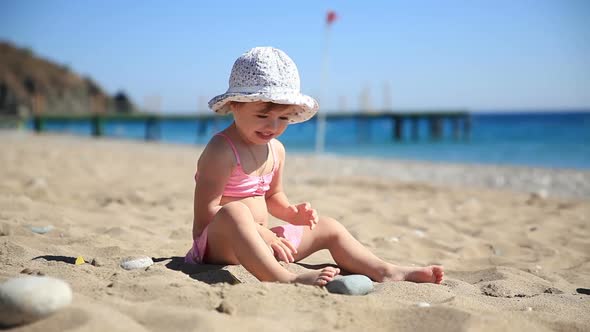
(321, 119)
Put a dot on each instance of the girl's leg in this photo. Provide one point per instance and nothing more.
(352, 256)
(233, 239)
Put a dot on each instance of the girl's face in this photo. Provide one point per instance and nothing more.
(259, 122)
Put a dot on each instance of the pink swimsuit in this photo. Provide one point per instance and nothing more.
(241, 184)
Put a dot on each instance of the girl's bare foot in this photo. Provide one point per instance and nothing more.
(318, 277)
(433, 274)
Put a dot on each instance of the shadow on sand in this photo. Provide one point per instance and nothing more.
(208, 273)
(232, 274)
(54, 258)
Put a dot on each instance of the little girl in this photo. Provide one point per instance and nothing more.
(239, 181)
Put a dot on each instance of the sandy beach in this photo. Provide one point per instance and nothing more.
(515, 241)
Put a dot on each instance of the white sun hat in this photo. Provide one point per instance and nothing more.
(266, 74)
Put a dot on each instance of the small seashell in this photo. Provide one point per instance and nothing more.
(423, 304)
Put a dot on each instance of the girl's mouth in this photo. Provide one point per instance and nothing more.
(263, 135)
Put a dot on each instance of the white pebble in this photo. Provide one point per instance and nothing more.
(38, 187)
(132, 263)
(529, 309)
(543, 193)
(499, 181)
(423, 304)
(27, 299)
(37, 183)
(419, 233)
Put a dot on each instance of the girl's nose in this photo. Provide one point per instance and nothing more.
(273, 123)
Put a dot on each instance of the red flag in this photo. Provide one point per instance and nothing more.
(331, 17)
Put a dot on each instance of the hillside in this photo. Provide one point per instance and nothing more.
(30, 84)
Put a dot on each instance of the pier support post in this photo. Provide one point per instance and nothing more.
(415, 123)
(456, 128)
(202, 127)
(436, 127)
(363, 129)
(466, 127)
(399, 128)
(152, 129)
(97, 125)
(38, 123)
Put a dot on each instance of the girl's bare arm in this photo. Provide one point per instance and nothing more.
(276, 200)
(214, 168)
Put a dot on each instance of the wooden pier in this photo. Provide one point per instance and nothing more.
(460, 122)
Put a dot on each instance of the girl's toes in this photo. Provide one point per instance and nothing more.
(321, 282)
(334, 271)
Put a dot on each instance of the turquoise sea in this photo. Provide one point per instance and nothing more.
(544, 139)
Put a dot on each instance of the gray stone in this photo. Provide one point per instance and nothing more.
(354, 284)
(41, 229)
(132, 263)
(30, 298)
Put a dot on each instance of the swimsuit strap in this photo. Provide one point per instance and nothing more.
(233, 147)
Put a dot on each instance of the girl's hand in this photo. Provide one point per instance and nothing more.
(304, 215)
(281, 248)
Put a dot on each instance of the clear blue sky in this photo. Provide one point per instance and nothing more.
(480, 55)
